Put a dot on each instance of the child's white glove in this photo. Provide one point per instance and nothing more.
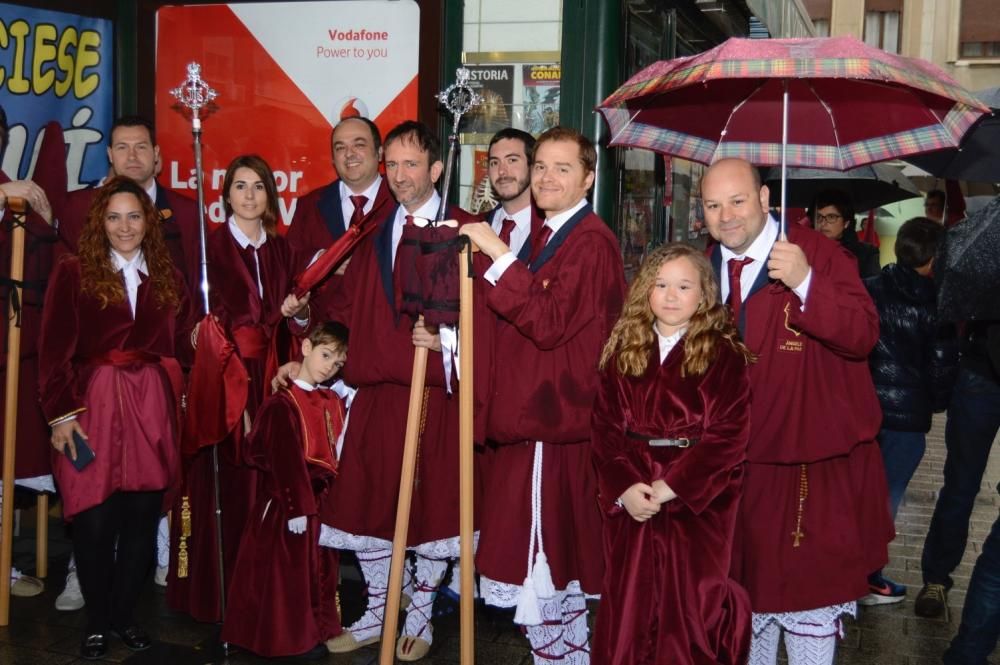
(297, 524)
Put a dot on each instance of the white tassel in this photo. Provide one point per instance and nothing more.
(528, 613)
(541, 575)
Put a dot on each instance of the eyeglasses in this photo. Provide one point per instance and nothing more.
(823, 220)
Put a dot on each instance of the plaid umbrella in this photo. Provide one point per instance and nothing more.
(832, 103)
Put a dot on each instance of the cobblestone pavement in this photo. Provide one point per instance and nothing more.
(885, 635)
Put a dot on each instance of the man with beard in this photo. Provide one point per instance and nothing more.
(361, 508)
(515, 219)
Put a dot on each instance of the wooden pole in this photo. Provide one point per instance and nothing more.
(42, 536)
(387, 653)
(465, 461)
(18, 206)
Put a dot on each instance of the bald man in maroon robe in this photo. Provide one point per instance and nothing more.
(540, 518)
(814, 520)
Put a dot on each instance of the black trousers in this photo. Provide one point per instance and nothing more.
(115, 543)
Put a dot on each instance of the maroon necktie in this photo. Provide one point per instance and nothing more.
(359, 202)
(539, 241)
(735, 301)
(506, 230)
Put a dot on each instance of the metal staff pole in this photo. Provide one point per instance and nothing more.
(20, 208)
(458, 98)
(194, 93)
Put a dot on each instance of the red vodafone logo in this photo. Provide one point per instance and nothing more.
(351, 107)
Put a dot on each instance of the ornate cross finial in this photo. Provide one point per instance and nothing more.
(193, 92)
(459, 97)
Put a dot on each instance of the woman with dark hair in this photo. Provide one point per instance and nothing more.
(250, 270)
(116, 318)
(832, 214)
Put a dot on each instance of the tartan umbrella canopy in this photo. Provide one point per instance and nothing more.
(848, 104)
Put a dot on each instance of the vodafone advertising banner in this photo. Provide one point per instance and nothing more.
(286, 73)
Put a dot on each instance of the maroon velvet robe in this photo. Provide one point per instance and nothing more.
(380, 365)
(554, 319)
(251, 320)
(667, 596)
(126, 407)
(318, 221)
(284, 599)
(813, 404)
(31, 456)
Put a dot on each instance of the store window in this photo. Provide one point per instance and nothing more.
(882, 30)
(979, 30)
(513, 52)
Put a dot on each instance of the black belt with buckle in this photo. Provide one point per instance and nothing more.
(662, 443)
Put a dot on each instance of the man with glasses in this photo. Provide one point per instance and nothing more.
(833, 216)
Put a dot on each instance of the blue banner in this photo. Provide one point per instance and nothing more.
(56, 66)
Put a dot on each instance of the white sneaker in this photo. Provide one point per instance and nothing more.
(71, 598)
(160, 576)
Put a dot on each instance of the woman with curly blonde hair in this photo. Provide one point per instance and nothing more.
(116, 319)
(669, 435)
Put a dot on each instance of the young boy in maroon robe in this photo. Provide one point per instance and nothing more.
(555, 312)
(669, 437)
(283, 601)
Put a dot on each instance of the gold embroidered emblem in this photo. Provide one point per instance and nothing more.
(790, 345)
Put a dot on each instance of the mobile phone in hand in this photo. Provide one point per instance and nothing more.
(84, 453)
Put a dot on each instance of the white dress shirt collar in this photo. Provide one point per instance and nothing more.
(130, 272)
(667, 342)
(556, 222)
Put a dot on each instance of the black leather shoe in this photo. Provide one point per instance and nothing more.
(94, 646)
(135, 638)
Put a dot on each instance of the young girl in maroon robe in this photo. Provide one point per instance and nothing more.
(670, 429)
(250, 271)
(284, 599)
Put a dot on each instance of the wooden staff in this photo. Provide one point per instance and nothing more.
(390, 622)
(465, 459)
(20, 208)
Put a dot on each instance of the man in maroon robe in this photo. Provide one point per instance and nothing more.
(508, 168)
(814, 520)
(361, 507)
(325, 213)
(555, 312)
(133, 153)
(32, 465)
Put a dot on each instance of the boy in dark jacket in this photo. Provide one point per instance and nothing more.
(913, 365)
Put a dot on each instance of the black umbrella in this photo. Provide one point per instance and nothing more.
(977, 159)
(869, 186)
(968, 267)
